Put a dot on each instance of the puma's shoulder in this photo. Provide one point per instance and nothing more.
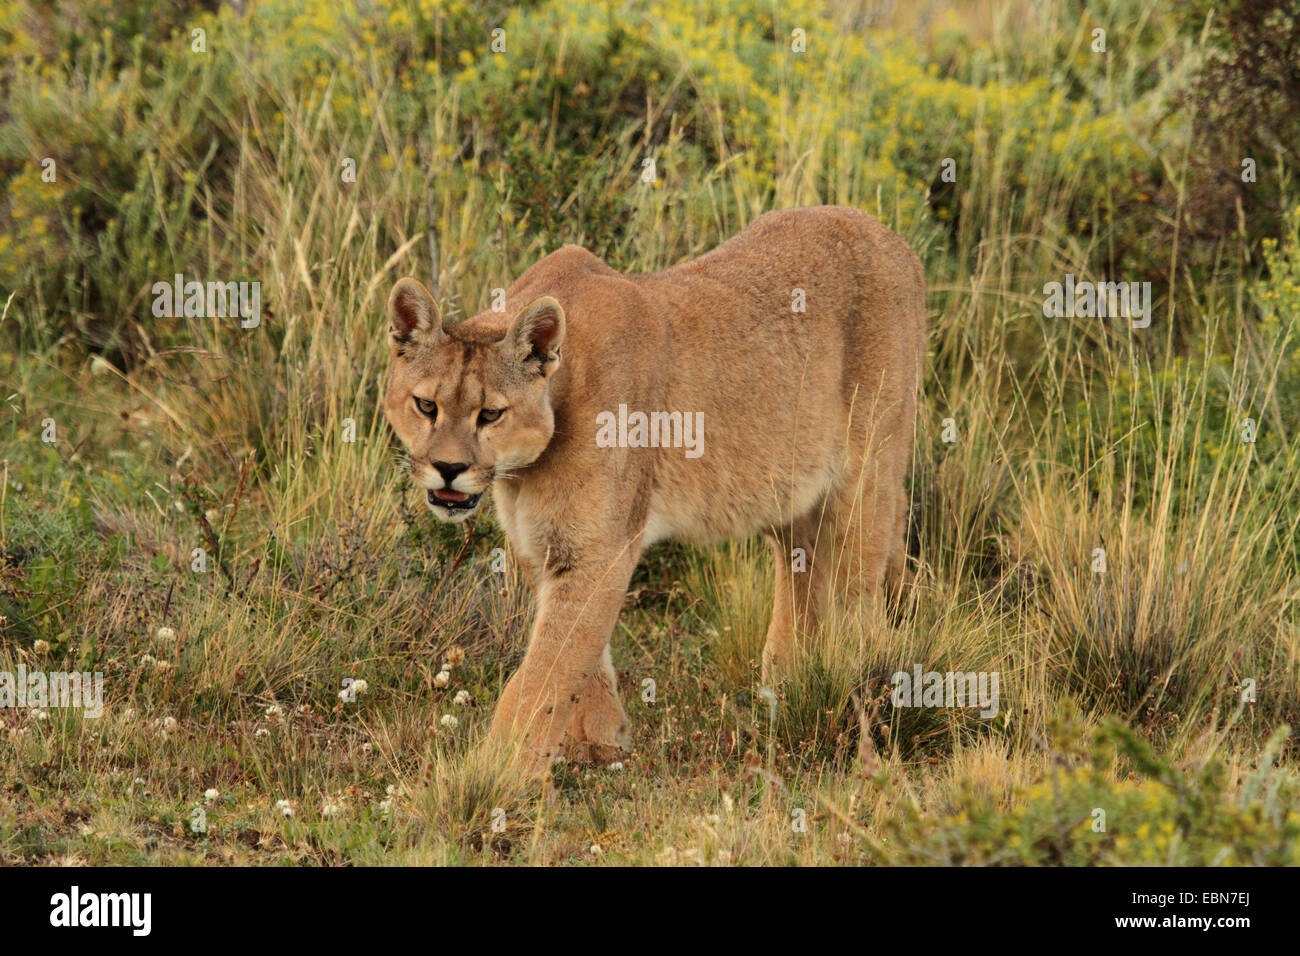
(570, 262)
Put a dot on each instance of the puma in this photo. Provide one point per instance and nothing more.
(793, 354)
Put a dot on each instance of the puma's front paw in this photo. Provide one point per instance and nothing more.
(598, 730)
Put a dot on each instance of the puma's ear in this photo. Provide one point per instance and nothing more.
(537, 334)
(413, 317)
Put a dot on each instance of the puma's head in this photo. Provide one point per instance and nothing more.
(469, 403)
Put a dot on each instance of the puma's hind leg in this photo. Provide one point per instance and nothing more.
(870, 521)
(802, 570)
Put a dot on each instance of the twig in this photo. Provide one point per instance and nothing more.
(469, 536)
(209, 536)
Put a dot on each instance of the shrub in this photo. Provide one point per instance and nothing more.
(1081, 814)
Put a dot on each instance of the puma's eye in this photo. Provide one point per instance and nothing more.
(427, 407)
(488, 415)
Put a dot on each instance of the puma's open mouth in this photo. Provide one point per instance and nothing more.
(452, 500)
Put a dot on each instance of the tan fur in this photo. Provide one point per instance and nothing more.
(808, 426)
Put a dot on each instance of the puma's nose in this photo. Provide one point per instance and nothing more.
(449, 471)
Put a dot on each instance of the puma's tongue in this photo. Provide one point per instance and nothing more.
(446, 494)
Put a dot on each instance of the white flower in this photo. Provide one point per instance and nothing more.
(285, 807)
(449, 721)
(40, 715)
(41, 647)
(146, 660)
(616, 766)
(443, 678)
(360, 686)
(211, 794)
(366, 748)
(275, 710)
(169, 724)
(330, 810)
(165, 634)
(213, 515)
(462, 698)
(595, 849)
(391, 789)
(261, 732)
